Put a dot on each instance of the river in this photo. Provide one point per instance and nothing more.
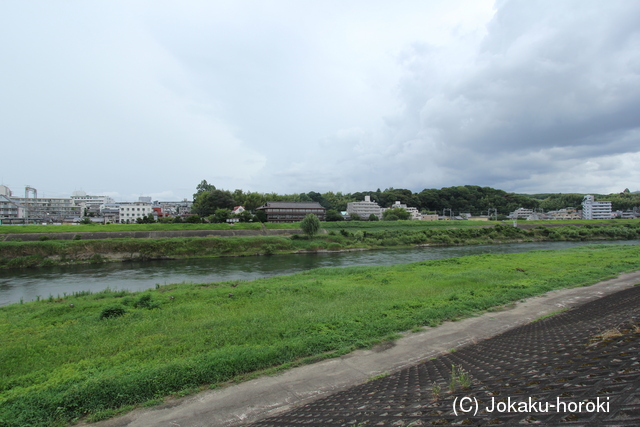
(29, 284)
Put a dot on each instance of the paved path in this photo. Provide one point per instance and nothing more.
(271, 396)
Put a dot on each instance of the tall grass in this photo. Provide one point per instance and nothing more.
(60, 361)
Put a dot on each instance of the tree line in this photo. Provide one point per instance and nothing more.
(472, 199)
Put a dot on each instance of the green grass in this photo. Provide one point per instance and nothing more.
(350, 225)
(59, 362)
(94, 228)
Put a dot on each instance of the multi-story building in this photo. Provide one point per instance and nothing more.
(80, 198)
(131, 211)
(595, 210)
(36, 209)
(568, 213)
(365, 208)
(46, 209)
(523, 213)
(9, 208)
(291, 211)
(172, 209)
(413, 212)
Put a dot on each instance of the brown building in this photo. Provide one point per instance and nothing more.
(291, 211)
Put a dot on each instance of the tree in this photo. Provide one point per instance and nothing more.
(252, 201)
(203, 187)
(373, 217)
(194, 219)
(355, 217)
(147, 219)
(395, 214)
(221, 215)
(245, 216)
(310, 225)
(208, 202)
(261, 216)
(333, 215)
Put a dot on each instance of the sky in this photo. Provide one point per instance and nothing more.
(148, 98)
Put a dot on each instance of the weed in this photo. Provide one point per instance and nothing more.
(436, 390)
(606, 335)
(562, 310)
(377, 377)
(459, 376)
(464, 378)
(453, 380)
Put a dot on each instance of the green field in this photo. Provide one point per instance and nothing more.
(60, 361)
(92, 228)
(350, 225)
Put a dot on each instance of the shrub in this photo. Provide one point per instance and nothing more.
(145, 302)
(112, 311)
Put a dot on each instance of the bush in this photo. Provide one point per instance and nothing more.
(112, 311)
(145, 302)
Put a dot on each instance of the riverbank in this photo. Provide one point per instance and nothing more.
(352, 386)
(97, 355)
(49, 251)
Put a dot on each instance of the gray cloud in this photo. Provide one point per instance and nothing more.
(135, 98)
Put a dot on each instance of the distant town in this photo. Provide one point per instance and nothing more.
(81, 208)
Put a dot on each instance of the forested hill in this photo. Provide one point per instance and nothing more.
(471, 199)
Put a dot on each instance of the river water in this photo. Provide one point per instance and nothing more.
(28, 284)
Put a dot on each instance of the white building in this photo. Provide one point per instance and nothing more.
(365, 208)
(595, 210)
(131, 211)
(10, 208)
(522, 213)
(80, 198)
(413, 212)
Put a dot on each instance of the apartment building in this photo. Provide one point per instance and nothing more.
(131, 211)
(413, 212)
(595, 210)
(365, 208)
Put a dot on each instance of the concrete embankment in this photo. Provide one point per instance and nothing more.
(25, 237)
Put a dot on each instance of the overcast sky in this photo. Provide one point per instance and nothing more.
(148, 98)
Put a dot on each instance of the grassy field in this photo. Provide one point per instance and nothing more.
(93, 356)
(6, 229)
(349, 225)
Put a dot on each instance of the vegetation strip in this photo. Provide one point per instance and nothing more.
(14, 254)
(94, 354)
